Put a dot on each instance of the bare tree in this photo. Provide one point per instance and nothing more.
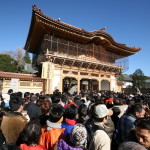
(19, 53)
(9, 52)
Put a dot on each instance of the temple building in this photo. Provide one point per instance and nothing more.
(73, 59)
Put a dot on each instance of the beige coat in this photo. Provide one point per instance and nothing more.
(101, 140)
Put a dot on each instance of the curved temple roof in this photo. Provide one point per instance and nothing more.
(42, 24)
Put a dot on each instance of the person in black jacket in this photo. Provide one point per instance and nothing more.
(33, 110)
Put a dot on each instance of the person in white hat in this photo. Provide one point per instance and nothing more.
(100, 139)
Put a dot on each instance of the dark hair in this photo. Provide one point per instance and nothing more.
(99, 119)
(19, 94)
(131, 146)
(55, 99)
(42, 92)
(118, 101)
(88, 98)
(10, 91)
(3, 112)
(99, 100)
(116, 111)
(109, 104)
(143, 123)
(13, 95)
(41, 97)
(45, 106)
(63, 98)
(136, 108)
(27, 94)
(83, 110)
(31, 94)
(15, 103)
(71, 112)
(9, 147)
(77, 97)
(37, 94)
(56, 112)
(26, 99)
(31, 133)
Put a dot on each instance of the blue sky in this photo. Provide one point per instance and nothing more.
(127, 21)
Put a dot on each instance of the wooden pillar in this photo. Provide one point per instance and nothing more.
(78, 86)
(51, 83)
(99, 84)
(49, 86)
(44, 86)
(31, 86)
(110, 85)
(78, 82)
(61, 81)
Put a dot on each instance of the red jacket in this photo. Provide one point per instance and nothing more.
(36, 147)
(109, 100)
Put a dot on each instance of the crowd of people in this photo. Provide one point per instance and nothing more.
(90, 120)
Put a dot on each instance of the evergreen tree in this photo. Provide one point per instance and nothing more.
(120, 76)
(138, 78)
(27, 58)
(8, 64)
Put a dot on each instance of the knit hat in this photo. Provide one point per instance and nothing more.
(78, 135)
(102, 111)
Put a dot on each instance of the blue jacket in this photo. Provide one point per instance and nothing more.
(125, 124)
(67, 127)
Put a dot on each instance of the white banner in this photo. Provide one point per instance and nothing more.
(14, 84)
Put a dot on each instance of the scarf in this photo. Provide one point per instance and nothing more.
(56, 125)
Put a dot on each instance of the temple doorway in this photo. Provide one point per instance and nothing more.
(105, 85)
(69, 85)
(89, 84)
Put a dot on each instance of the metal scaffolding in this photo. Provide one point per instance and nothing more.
(62, 47)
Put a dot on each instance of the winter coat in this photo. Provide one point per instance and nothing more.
(101, 140)
(33, 110)
(63, 145)
(51, 135)
(36, 147)
(110, 128)
(12, 124)
(68, 125)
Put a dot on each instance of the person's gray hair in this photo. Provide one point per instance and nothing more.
(33, 99)
(131, 146)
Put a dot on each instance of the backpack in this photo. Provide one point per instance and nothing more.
(91, 129)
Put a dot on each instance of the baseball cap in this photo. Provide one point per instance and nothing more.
(102, 111)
